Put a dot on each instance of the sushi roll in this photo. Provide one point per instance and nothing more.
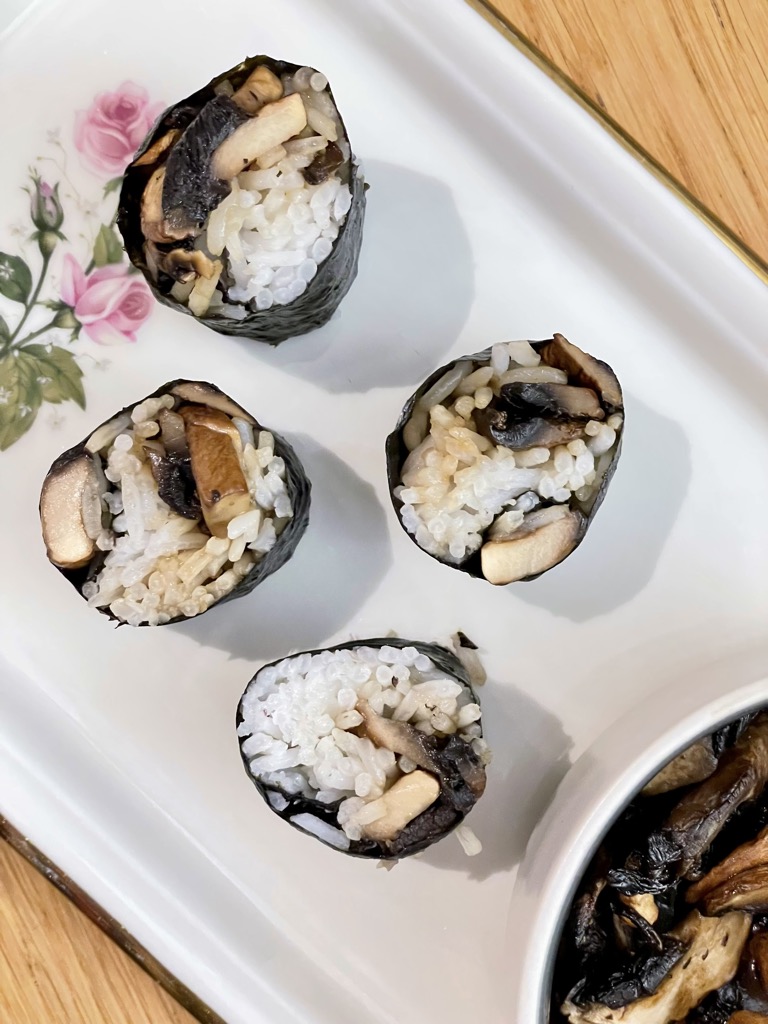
(373, 747)
(177, 503)
(501, 459)
(244, 205)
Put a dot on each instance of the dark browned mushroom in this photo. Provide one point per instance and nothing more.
(553, 401)
(745, 858)
(588, 371)
(532, 432)
(452, 760)
(175, 483)
(325, 163)
(713, 948)
(700, 815)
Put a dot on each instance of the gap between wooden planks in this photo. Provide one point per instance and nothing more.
(686, 80)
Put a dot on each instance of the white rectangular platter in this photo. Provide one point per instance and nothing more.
(498, 209)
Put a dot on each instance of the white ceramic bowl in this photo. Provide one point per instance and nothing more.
(593, 793)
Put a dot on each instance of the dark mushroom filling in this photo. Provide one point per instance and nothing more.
(670, 922)
(501, 460)
(374, 748)
(174, 504)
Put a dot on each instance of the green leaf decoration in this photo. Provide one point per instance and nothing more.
(15, 278)
(5, 332)
(20, 396)
(107, 248)
(113, 185)
(58, 375)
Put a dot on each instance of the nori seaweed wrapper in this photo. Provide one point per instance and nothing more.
(296, 482)
(432, 825)
(397, 452)
(335, 274)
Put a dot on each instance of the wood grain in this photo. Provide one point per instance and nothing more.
(57, 967)
(687, 80)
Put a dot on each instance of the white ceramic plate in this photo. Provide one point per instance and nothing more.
(497, 209)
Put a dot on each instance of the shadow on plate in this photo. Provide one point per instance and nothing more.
(410, 300)
(338, 563)
(530, 759)
(624, 543)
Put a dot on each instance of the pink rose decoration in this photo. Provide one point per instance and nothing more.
(110, 304)
(110, 132)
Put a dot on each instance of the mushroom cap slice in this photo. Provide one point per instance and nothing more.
(700, 815)
(152, 155)
(214, 442)
(588, 371)
(715, 945)
(744, 858)
(747, 890)
(154, 225)
(531, 432)
(70, 511)
(556, 401)
(694, 764)
(545, 538)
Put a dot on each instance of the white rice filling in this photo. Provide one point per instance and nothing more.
(276, 228)
(160, 565)
(298, 718)
(456, 482)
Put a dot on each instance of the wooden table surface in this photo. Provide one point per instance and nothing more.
(687, 80)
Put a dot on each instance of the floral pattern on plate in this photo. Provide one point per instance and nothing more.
(99, 295)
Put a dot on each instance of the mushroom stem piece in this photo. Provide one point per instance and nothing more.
(213, 447)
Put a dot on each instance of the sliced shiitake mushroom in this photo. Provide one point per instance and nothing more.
(744, 859)
(154, 225)
(157, 149)
(453, 761)
(260, 87)
(180, 264)
(713, 949)
(545, 537)
(531, 432)
(701, 814)
(213, 447)
(325, 163)
(588, 371)
(70, 511)
(694, 764)
(175, 483)
(553, 401)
